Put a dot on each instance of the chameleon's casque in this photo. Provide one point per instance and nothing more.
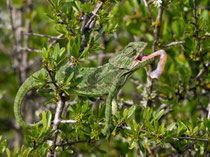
(98, 81)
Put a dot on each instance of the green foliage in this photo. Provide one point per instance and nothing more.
(167, 117)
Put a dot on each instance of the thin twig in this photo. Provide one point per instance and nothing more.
(44, 140)
(94, 12)
(12, 23)
(57, 38)
(42, 35)
(29, 49)
(175, 43)
(51, 76)
(70, 143)
(66, 23)
(148, 10)
(157, 27)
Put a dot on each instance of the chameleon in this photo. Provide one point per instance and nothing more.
(105, 80)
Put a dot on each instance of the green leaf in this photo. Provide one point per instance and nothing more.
(181, 128)
(195, 130)
(56, 51)
(44, 119)
(132, 144)
(8, 153)
(49, 118)
(141, 147)
(149, 126)
(3, 145)
(131, 111)
(85, 107)
(70, 77)
(171, 126)
(125, 113)
(159, 115)
(147, 113)
(207, 123)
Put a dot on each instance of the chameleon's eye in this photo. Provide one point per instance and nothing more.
(133, 53)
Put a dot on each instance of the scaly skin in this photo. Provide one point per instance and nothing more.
(100, 81)
(29, 84)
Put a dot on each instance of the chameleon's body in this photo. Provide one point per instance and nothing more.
(96, 82)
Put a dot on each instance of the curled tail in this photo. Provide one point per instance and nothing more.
(29, 84)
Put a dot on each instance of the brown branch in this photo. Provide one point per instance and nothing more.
(44, 140)
(89, 24)
(157, 27)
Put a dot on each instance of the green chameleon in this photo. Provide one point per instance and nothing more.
(98, 81)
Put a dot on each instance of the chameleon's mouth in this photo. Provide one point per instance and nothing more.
(139, 57)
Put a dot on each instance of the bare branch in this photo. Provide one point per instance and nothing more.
(157, 27)
(148, 10)
(175, 43)
(44, 140)
(42, 35)
(56, 122)
(12, 22)
(29, 49)
(57, 38)
(94, 12)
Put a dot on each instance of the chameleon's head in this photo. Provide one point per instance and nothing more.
(130, 56)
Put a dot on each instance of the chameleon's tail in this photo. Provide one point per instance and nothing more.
(29, 84)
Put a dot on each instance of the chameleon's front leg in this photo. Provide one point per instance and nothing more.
(108, 109)
(108, 113)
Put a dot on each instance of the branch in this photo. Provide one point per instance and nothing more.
(89, 24)
(45, 139)
(148, 10)
(56, 122)
(94, 12)
(157, 27)
(12, 22)
(175, 43)
(42, 35)
(71, 143)
(57, 38)
(29, 49)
